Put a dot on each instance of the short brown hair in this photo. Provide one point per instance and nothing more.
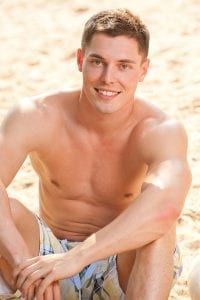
(114, 23)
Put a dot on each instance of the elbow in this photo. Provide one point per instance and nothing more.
(173, 199)
(167, 216)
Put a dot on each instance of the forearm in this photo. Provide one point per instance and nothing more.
(142, 222)
(12, 245)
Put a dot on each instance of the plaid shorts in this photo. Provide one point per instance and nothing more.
(98, 281)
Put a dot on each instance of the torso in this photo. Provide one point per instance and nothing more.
(86, 180)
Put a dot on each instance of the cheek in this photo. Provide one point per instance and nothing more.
(129, 80)
(91, 74)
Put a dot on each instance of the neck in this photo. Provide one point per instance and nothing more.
(105, 123)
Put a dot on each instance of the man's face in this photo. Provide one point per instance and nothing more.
(112, 68)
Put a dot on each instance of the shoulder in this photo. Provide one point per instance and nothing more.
(161, 136)
(36, 120)
(42, 107)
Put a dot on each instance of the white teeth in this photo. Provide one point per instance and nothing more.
(107, 93)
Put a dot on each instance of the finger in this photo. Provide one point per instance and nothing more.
(29, 295)
(48, 294)
(31, 275)
(42, 296)
(23, 265)
(24, 274)
(26, 278)
(44, 284)
(38, 297)
(34, 289)
(56, 291)
(32, 279)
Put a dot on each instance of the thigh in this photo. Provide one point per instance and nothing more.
(27, 224)
(125, 263)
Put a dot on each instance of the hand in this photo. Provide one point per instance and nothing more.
(52, 292)
(47, 269)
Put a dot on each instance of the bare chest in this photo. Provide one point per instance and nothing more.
(97, 171)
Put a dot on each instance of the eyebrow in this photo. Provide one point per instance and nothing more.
(129, 61)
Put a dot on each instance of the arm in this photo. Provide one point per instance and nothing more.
(12, 155)
(156, 209)
(30, 126)
(147, 219)
(19, 135)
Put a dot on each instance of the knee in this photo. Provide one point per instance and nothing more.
(194, 280)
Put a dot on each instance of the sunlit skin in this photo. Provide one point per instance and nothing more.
(111, 73)
(113, 174)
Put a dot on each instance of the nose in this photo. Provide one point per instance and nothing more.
(108, 74)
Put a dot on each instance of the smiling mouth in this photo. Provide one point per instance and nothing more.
(107, 93)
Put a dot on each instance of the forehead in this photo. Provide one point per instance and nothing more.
(119, 47)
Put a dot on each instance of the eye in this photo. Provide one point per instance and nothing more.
(124, 66)
(96, 62)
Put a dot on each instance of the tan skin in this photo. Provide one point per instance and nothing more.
(113, 174)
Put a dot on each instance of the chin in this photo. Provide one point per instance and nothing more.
(106, 108)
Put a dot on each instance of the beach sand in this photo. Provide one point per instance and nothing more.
(38, 42)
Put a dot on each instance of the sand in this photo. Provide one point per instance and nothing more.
(38, 42)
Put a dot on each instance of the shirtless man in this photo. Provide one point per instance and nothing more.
(113, 176)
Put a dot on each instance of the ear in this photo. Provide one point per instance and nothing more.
(79, 58)
(144, 69)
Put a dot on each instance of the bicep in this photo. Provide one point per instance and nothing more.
(164, 141)
(19, 134)
(171, 176)
(12, 150)
(166, 157)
